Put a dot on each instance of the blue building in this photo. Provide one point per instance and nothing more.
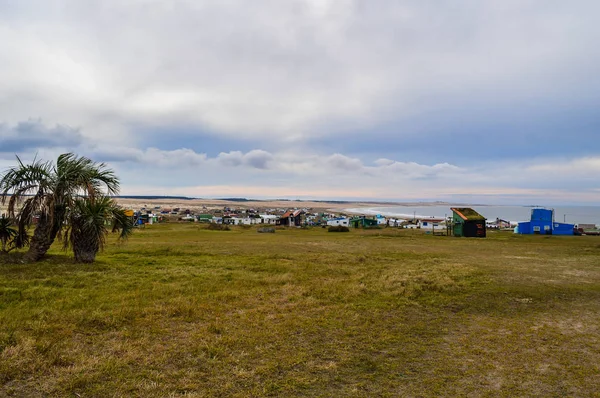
(542, 222)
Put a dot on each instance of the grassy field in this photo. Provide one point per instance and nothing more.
(183, 311)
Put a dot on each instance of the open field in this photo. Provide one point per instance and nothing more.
(183, 311)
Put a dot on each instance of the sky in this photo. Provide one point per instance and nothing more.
(466, 101)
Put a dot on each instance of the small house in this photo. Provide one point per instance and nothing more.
(338, 222)
(467, 222)
(431, 223)
(291, 218)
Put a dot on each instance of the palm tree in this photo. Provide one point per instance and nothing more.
(88, 225)
(46, 192)
(7, 234)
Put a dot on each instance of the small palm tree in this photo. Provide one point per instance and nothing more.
(9, 237)
(48, 192)
(89, 221)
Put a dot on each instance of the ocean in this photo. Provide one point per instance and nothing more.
(568, 214)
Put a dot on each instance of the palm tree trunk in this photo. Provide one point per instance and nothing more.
(59, 218)
(40, 241)
(45, 234)
(85, 252)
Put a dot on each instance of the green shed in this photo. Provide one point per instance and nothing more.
(204, 217)
(363, 222)
(467, 222)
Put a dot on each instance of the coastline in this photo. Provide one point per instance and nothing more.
(354, 208)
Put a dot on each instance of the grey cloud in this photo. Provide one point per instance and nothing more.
(286, 70)
(34, 135)
(256, 158)
(231, 159)
(175, 158)
(155, 157)
(344, 163)
(115, 154)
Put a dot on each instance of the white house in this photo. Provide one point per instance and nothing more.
(270, 219)
(339, 222)
(431, 223)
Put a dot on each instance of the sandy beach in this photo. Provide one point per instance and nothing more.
(198, 205)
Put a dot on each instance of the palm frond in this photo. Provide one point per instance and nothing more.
(11, 238)
(25, 179)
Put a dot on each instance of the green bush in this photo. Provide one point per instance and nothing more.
(218, 227)
(338, 229)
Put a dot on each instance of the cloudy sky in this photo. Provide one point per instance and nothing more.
(477, 101)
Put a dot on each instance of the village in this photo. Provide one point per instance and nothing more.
(464, 221)
(297, 217)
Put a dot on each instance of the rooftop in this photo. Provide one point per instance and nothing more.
(467, 214)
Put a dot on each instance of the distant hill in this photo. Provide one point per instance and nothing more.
(153, 197)
(238, 199)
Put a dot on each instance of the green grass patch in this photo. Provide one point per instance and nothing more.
(182, 310)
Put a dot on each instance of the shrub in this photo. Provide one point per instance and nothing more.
(218, 227)
(266, 230)
(339, 228)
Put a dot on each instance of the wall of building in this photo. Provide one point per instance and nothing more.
(563, 229)
(430, 225)
(545, 228)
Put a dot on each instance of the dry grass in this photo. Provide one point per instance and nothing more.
(184, 311)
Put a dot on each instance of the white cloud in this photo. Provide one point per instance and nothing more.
(583, 167)
(344, 163)
(256, 158)
(414, 169)
(261, 173)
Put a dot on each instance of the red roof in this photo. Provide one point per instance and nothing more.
(292, 213)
